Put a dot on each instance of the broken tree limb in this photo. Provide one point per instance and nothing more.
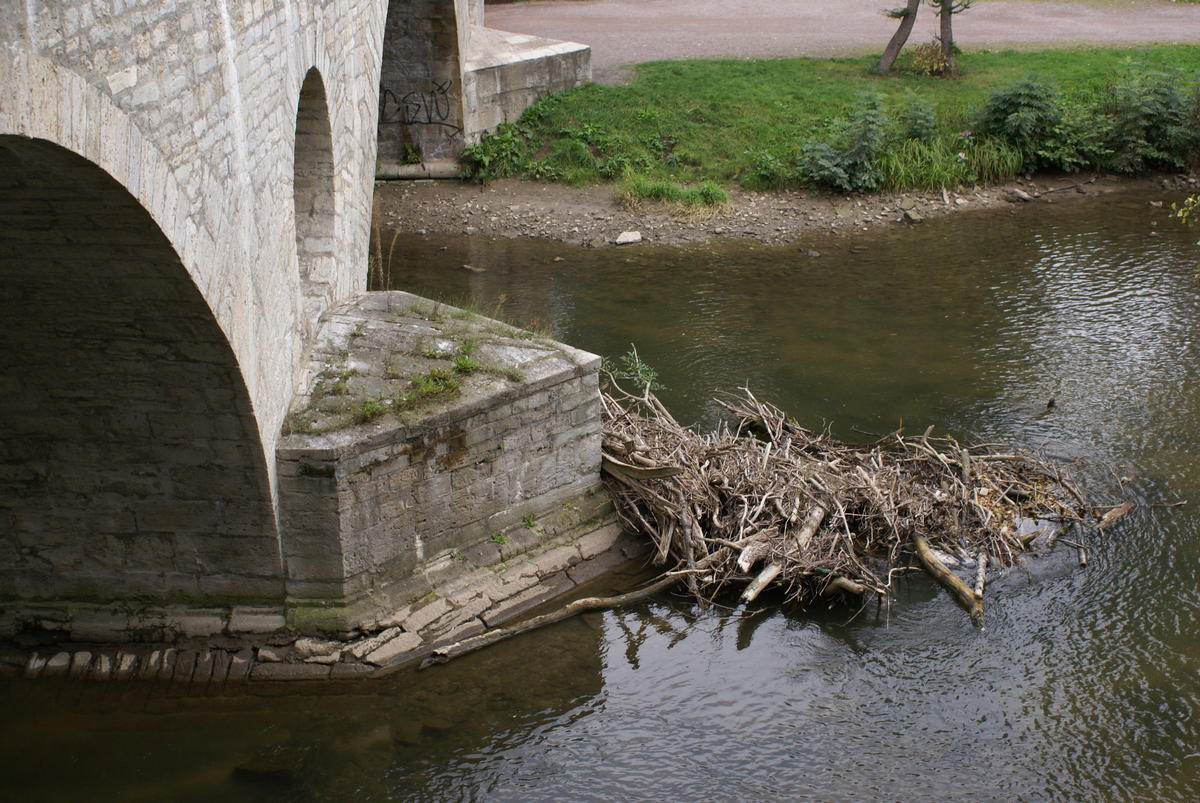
(812, 522)
(838, 583)
(459, 648)
(614, 466)
(764, 579)
(752, 554)
(1114, 514)
(948, 579)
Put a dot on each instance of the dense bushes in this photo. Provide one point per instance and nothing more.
(1140, 121)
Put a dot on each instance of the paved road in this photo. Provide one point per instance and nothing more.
(623, 32)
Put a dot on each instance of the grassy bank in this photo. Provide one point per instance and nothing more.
(685, 130)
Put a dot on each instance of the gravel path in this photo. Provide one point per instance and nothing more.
(624, 32)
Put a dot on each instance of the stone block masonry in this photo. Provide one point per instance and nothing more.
(446, 80)
(184, 187)
(478, 598)
(185, 190)
(431, 440)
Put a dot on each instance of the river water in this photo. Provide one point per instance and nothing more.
(1084, 684)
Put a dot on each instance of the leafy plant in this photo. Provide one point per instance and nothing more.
(495, 155)
(499, 538)
(437, 383)
(465, 364)
(1188, 212)
(369, 409)
(1155, 121)
(848, 162)
(766, 171)
(1024, 114)
(529, 522)
(629, 367)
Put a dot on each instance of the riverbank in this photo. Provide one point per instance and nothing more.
(597, 216)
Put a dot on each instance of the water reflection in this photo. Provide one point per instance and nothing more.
(1085, 684)
(1087, 680)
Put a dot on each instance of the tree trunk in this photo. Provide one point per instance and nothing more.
(888, 59)
(946, 12)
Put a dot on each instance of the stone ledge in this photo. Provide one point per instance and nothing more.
(198, 669)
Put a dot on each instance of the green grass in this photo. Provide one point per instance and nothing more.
(683, 131)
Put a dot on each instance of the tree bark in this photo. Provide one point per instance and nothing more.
(946, 34)
(899, 38)
(948, 580)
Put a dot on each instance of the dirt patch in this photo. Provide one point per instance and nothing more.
(597, 216)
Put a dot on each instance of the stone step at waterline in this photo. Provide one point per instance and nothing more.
(471, 606)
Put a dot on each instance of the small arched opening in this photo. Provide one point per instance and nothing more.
(315, 209)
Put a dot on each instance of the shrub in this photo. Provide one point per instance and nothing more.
(1024, 115)
(849, 161)
(918, 120)
(928, 58)
(1076, 140)
(1155, 121)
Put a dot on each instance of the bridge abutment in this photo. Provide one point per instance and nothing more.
(186, 204)
(446, 79)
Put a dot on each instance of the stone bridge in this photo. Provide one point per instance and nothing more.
(185, 192)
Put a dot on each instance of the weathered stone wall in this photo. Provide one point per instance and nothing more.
(129, 457)
(420, 83)
(188, 187)
(506, 73)
(447, 79)
(507, 462)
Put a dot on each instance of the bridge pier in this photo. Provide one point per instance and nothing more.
(433, 442)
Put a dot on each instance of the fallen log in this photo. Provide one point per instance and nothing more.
(948, 579)
(459, 648)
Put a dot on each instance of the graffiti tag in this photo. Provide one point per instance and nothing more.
(431, 107)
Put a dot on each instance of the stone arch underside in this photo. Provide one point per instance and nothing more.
(130, 462)
(314, 196)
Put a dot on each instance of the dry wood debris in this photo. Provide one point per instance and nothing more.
(763, 502)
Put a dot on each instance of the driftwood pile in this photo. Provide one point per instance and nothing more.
(762, 502)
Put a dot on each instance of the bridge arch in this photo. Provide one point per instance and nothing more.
(314, 196)
(130, 461)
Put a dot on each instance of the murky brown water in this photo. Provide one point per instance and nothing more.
(1085, 684)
